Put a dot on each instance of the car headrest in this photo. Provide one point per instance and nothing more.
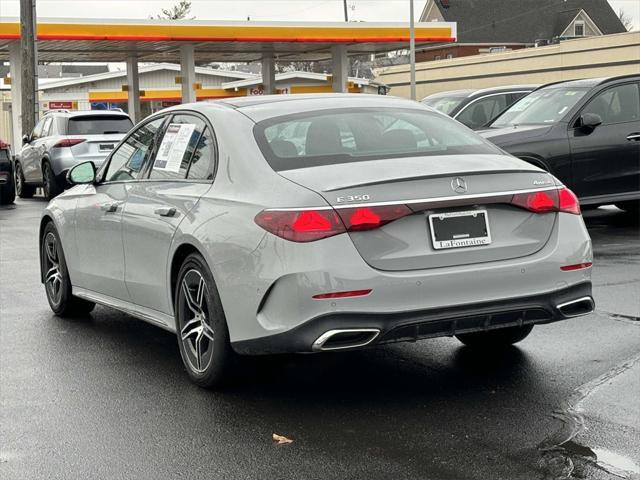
(283, 148)
(399, 140)
(323, 137)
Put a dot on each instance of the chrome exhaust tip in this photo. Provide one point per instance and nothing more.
(345, 338)
(577, 307)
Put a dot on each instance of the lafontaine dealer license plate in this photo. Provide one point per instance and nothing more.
(459, 229)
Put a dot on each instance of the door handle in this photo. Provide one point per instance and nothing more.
(166, 211)
(634, 137)
(109, 207)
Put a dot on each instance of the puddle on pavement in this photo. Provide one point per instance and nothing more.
(562, 463)
(607, 458)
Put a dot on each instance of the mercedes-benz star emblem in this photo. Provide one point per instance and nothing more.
(458, 185)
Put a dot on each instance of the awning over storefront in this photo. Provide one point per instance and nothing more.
(159, 41)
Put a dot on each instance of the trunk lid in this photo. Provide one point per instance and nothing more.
(426, 185)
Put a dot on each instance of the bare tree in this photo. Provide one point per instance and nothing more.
(179, 11)
(625, 18)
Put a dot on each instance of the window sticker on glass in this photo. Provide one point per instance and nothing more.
(174, 144)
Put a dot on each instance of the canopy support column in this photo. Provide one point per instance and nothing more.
(269, 75)
(15, 68)
(133, 91)
(188, 73)
(340, 68)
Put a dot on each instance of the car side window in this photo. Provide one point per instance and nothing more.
(128, 160)
(616, 105)
(37, 130)
(46, 128)
(483, 111)
(515, 96)
(202, 160)
(179, 142)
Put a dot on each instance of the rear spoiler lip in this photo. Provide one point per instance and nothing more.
(526, 168)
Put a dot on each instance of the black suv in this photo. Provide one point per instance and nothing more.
(7, 185)
(475, 108)
(585, 132)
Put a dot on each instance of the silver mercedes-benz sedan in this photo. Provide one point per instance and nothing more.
(310, 223)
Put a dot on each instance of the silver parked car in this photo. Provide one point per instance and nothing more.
(475, 108)
(62, 139)
(390, 222)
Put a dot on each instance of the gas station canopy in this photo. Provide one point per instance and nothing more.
(83, 40)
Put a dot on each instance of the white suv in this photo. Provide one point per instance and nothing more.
(62, 139)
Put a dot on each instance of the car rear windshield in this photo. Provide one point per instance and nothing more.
(99, 125)
(544, 106)
(328, 137)
(444, 104)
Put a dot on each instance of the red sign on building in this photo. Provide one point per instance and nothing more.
(60, 105)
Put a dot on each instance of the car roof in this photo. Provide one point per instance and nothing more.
(590, 82)
(241, 102)
(86, 113)
(268, 106)
(473, 92)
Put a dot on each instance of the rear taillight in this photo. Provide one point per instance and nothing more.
(368, 218)
(68, 142)
(562, 200)
(311, 225)
(568, 201)
(301, 225)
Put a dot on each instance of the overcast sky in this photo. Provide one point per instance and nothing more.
(310, 10)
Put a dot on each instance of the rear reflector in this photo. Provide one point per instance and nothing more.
(577, 266)
(561, 200)
(352, 293)
(69, 142)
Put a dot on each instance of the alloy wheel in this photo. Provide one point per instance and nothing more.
(196, 332)
(18, 179)
(45, 180)
(53, 275)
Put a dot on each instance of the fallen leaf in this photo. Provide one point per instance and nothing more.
(281, 439)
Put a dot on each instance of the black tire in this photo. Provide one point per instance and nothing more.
(22, 189)
(8, 191)
(58, 289)
(632, 207)
(203, 336)
(499, 338)
(50, 186)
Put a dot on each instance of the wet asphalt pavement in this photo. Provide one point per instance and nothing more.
(107, 398)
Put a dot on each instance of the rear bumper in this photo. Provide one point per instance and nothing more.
(430, 323)
(6, 171)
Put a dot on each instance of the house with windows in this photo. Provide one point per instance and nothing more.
(492, 26)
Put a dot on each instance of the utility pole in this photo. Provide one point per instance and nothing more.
(346, 13)
(412, 50)
(29, 74)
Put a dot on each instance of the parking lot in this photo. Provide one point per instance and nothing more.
(106, 396)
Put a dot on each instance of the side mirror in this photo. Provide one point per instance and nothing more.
(589, 121)
(25, 139)
(82, 173)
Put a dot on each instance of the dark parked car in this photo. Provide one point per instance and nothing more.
(585, 132)
(7, 185)
(476, 108)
